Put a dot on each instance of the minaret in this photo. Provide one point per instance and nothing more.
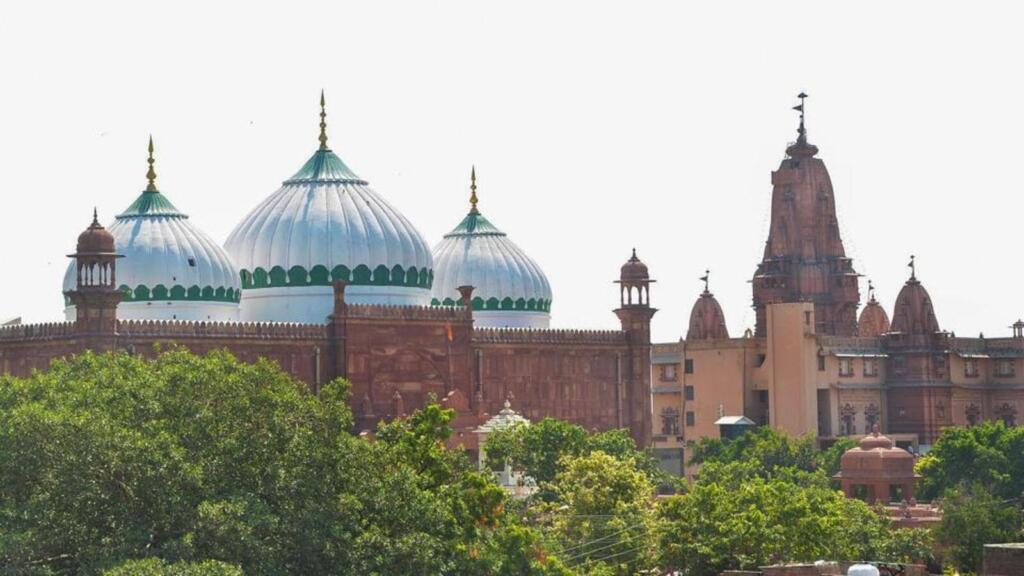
(635, 314)
(804, 259)
(95, 295)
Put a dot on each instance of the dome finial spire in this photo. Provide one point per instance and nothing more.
(151, 173)
(472, 187)
(913, 268)
(323, 121)
(95, 217)
(871, 291)
(801, 131)
(705, 278)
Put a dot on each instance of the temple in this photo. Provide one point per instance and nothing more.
(811, 365)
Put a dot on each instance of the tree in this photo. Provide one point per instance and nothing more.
(758, 521)
(604, 515)
(538, 448)
(108, 459)
(768, 448)
(988, 454)
(157, 567)
(971, 518)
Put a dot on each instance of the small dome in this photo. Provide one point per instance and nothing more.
(510, 289)
(634, 270)
(95, 239)
(170, 269)
(707, 321)
(876, 456)
(873, 319)
(914, 313)
(326, 224)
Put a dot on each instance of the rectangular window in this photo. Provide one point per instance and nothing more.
(971, 368)
(821, 363)
(1005, 368)
(870, 367)
(690, 419)
(688, 392)
(846, 367)
(668, 372)
(760, 360)
(688, 366)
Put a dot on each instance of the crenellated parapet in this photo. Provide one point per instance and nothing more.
(395, 312)
(240, 330)
(529, 336)
(48, 331)
(994, 347)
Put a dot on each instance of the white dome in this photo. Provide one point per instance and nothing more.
(170, 269)
(326, 224)
(510, 290)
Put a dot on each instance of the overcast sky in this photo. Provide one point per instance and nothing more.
(595, 127)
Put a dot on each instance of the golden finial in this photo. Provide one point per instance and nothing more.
(323, 121)
(472, 186)
(151, 174)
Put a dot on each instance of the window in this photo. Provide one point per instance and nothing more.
(870, 418)
(668, 372)
(807, 317)
(1004, 368)
(690, 419)
(688, 392)
(973, 414)
(670, 422)
(847, 414)
(688, 366)
(940, 363)
(899, 364)
(970, 368)
(1007, 413)
(821, 363)
(870, 367)
(846, 367)
(192, 262)
(760, 360)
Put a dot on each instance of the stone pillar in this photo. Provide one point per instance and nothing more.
(337, 332)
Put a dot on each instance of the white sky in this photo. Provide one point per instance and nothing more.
(595, 127)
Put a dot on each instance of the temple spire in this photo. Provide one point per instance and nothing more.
(913, 268)
(151, 173)
(871, 291)
(705, 278)
(323, 121)
(801, 131)
(472, 187)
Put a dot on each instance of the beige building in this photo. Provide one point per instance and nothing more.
(812, 365)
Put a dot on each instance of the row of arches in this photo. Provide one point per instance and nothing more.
(143, 293)
(319, 275)
(521, 304)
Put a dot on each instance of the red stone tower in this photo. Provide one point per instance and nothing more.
(804, 260)
(95, 295)
(635, 313)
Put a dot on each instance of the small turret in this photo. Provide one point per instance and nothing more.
(95, 294)
(914, 313)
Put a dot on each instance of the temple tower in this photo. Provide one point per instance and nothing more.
(635, 313)
(804, 259)
(95, 295)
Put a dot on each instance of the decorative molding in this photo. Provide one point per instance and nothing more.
(506, 304)
(530, 336)
(319, 275)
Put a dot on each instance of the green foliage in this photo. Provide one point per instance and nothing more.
(538, 448)
(157, 567)
(604, 518)
(106, 459)
(988, 454)
(759, 521)
(768, 448)
(971, 518)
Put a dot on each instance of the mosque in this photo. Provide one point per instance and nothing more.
(329, 279)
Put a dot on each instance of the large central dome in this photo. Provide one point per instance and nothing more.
(325, 224)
